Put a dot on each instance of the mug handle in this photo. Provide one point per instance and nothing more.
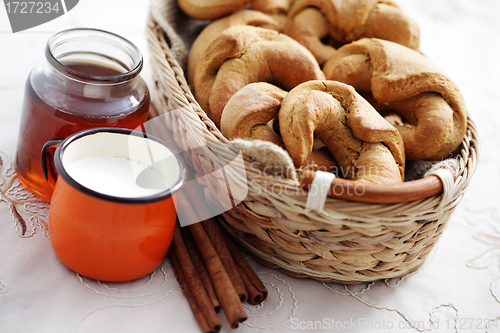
(47, 160)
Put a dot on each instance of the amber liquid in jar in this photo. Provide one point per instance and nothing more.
(41, 121)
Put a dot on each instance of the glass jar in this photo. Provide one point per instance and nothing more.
(90, 78)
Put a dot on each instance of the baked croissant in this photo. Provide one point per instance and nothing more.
(207, 35)
(241, 55)
(366, 147)
(211, 9)
(343, 21)
(402, 80)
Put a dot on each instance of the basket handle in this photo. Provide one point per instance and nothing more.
(380, 193)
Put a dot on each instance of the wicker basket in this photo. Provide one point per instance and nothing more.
(350, 241)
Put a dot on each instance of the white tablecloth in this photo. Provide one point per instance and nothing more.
(457, 289)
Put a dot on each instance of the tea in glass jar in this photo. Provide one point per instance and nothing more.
(90, 79)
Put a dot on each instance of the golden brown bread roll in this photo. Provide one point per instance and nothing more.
(344, 21)
(255, 104)
(249, 114)
(275, 8)
(366, 147)
(211, 9)
(321, 160)
(241, 55)
(404, 81)
(241, 17)
(266, 133)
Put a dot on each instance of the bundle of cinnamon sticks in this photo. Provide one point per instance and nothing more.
(212, 272)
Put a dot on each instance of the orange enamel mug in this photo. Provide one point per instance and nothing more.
(112, 214)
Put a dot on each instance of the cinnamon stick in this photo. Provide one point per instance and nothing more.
(257, 292)
(229, 299)
(214, 233)
(194, 193)
(199, 264)
(191, 298)
(194, 284)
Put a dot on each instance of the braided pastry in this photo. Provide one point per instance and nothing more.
(241, 17)
(211, 9)
(402, 80)
(366, 147)
(343, 21)
(241, 55)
